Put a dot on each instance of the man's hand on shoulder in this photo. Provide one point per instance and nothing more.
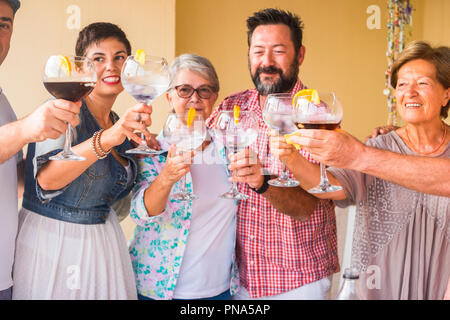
(381, 130)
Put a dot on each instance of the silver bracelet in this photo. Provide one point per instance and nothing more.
(93, 143)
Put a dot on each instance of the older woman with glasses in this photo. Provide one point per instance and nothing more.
(185, 250)
(399, 182)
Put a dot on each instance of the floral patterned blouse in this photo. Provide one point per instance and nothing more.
(158, 243)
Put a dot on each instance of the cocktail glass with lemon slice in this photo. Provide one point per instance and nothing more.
(145, 78)
(187, 131)
(278, 114)
(236, 130)
(318, 110)
(70, 78)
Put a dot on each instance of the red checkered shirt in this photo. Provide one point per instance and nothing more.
(275, 252)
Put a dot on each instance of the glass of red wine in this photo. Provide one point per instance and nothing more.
(70, 78)
(318, 110)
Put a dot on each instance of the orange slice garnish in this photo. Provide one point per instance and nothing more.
(288, 139)
(64, 63)
(236, 111)
(190, 117)
(140, 56)
(310, 94)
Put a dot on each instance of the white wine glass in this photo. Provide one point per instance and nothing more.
(236, 135)
(319, 110)
(186, 138)
(145, 81)
(278, 114)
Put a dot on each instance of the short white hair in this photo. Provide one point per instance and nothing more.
(195, 63)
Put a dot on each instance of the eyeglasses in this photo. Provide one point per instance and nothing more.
(186, 91)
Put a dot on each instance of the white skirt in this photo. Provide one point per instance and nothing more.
(62, 260)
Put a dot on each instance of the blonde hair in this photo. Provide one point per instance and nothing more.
(438, 56)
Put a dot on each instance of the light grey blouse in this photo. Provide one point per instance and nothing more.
(401, 241)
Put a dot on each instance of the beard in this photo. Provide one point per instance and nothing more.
(284, 83)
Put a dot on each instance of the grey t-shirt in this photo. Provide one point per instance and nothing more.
(8, 202)
(401, 239)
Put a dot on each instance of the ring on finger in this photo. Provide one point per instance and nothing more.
(138, 117)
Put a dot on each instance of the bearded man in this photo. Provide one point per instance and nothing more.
(286, 245)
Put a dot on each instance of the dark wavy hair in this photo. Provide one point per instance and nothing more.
(98, 31)
(276, 16)
(439, 57)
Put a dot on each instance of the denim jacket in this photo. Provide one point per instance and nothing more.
(87, 199)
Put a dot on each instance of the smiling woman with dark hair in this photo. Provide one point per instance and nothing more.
(70, 244)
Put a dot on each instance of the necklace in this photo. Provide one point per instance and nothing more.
(434, 150)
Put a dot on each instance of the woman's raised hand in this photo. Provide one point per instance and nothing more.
(335, 148)
(177, 165)
(136, 118)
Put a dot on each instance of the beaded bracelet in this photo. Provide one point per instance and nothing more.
(94, 138)
(99, 147)
(96, 143)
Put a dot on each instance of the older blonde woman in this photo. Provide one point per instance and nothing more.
(399, 182)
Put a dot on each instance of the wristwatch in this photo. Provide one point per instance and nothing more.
(264, 186)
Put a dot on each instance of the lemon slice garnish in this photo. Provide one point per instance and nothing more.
(64, 63)
(190, 117)
(288, 139)
(140, 56)
(236, 111)
(310, 94)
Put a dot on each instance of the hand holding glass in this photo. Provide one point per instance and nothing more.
(145, 82)
(327, 114)
(236, 136)
(186, 138)
(70, 78)
(279, 115)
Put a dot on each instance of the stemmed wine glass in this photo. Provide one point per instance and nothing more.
(187, 137)
(145, 80)
(236, 135)
(70, 78)
(319, 110)
(278, 114)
